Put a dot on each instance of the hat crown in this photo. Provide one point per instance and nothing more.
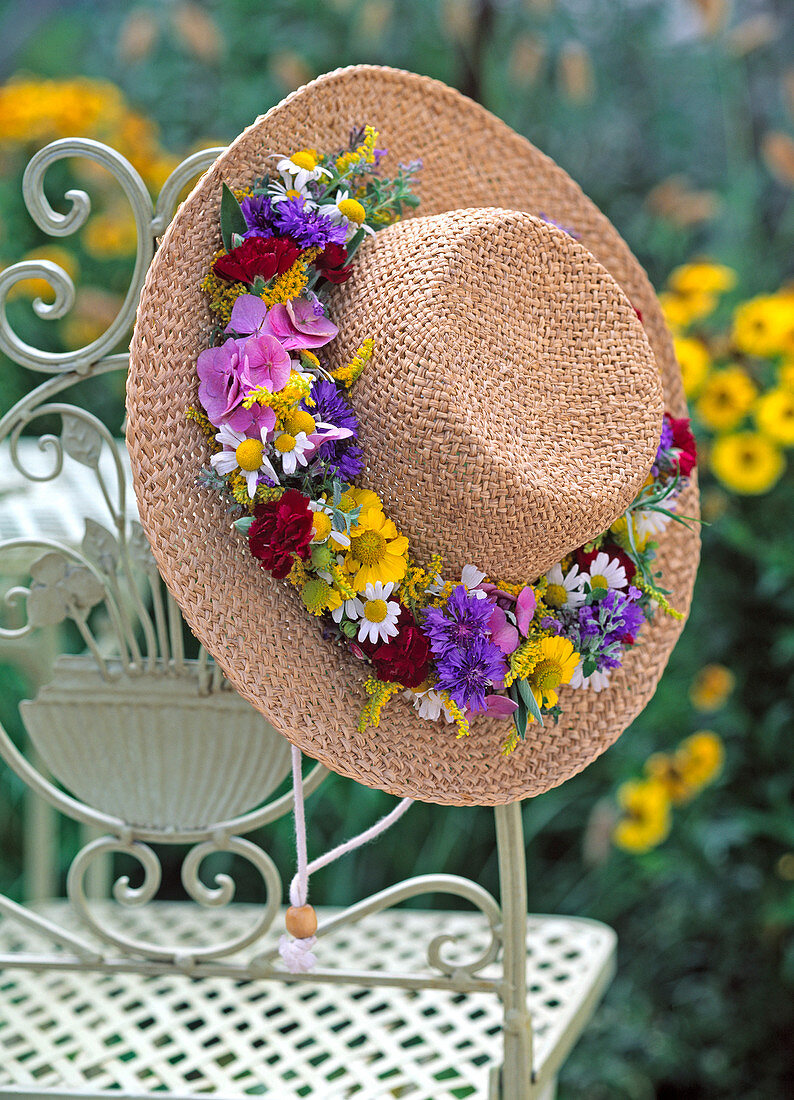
(512, 406)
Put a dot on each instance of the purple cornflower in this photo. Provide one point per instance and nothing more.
(307, 227)
(665, 443)
(342, 456)
(258, 213)
(548, 622)
(467, 675)
(462, 621)
(605, 628)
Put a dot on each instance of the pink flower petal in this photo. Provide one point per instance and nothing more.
(499, 706)
(525, 608)
(503, 634)
(248, 315)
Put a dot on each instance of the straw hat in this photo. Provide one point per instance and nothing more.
(516, 415)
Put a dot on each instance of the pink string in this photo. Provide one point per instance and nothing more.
(297, 953)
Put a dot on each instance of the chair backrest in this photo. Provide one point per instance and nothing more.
(140, 725)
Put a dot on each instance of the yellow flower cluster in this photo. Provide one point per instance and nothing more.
(240, 493)
(740, 381)
(206, 425)
(378, 692)
(297, 389)
(711, 687)
(417, 580)
(364, 154)
(669, 780)
(350, 373)
(221, 293)
(291, 283)
(34, 112)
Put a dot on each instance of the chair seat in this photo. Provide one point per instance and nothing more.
(85, 1034)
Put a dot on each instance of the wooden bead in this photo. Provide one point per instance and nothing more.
(301, 921)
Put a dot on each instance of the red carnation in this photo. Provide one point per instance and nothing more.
(330, 263)
(685, 442)
(265, 256)
(282, 530)
(584, 560)
(406, 658)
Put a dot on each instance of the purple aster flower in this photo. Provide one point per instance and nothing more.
(467, 675)
(258, 213)
(342, 456)
(307, 227)
(665, 443)
(463, 620)
(548, 622)
(626, 615)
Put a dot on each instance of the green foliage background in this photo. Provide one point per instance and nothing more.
(626, 96)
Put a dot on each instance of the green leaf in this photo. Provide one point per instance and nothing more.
(530, 701)
(232, 218)
(520, 715)
(243, 524)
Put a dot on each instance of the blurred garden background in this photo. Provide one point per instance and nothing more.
(677, 118)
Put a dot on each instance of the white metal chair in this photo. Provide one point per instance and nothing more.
(131, 996)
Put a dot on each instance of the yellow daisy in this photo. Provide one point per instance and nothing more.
(694, 359)
(747, 462)
(378, 552)
(699, 758)
(702, 277)
(774, 415)
(711, 687)
(646, 820)
(726, 399)
(555, 664)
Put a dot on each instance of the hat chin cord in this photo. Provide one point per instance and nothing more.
(301, 921)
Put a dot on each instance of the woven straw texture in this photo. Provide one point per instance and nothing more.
(509, 474)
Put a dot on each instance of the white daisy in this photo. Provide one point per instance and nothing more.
(471, 578)
(347, 211)
(294, 450)
(243, 454)
(280, 192)
(606, 572)
(430, 705)
(379, 615)
(596, 680)
(297, 170)
(564, 591)
(648, 524)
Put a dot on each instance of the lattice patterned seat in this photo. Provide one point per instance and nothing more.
(90, 1033)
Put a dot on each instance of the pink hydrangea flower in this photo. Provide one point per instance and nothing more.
(503, 634)
(525, 608)
(298, 325)
(228, 373)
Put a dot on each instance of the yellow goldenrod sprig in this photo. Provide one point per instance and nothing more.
(206, 425)
(460, 718)
(349, 374)
(658, 596)
(379, 692)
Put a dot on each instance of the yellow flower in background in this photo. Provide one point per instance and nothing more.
(699, 758)
(747, 462)
(680, 310)
(40, 288)
(726, 398)
(711, 687)
(111, 234)
(695, 361)
(764, 326)
(774, 415)
(702, 277)
(694, 764)
(646, 815)
(785, 375)
(94, 311)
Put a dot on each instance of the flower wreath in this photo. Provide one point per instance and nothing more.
(285, 450)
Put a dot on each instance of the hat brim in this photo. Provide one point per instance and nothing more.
(255, 626)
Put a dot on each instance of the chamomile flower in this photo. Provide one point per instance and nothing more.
(345, 210)
(648, 524)
(379, 614)
(324, 530)
(564, 591)
(244, 454)
(429, 704)
(294, 450)
(280, 192)
(298, 169)
(596, 680)
(606, 572)
(471, 578)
